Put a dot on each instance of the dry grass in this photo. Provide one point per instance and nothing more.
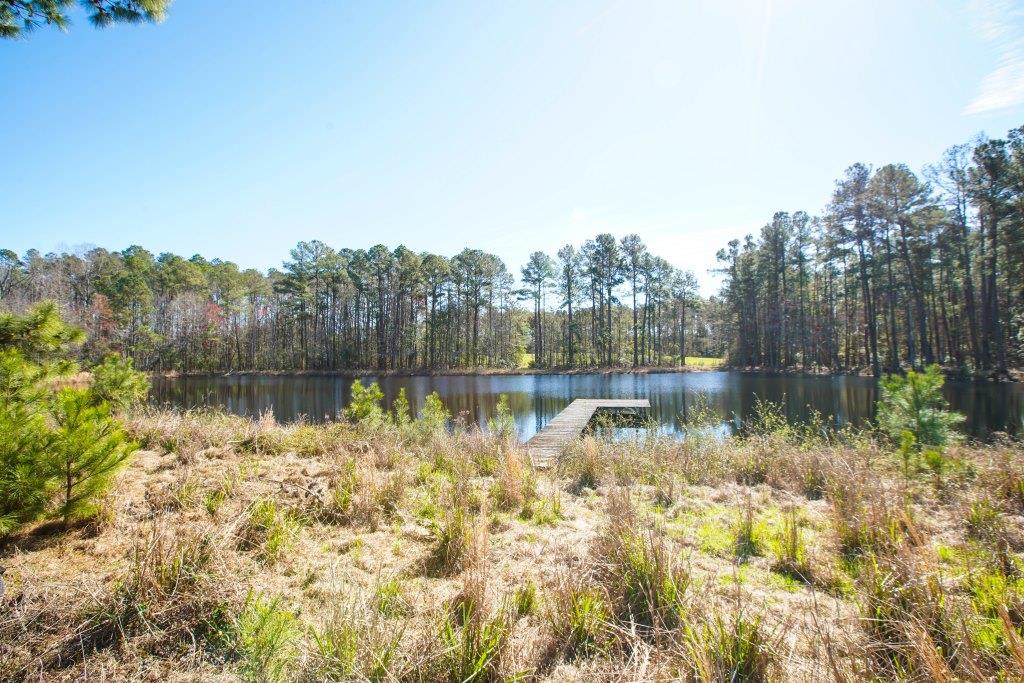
(235, 549)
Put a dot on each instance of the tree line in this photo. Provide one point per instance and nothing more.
(898, 271)
(606, 303)
(612, 303)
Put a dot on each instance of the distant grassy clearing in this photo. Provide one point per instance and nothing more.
(703, 361)
(526, 361)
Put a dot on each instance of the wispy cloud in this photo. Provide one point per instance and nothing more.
(999, 22)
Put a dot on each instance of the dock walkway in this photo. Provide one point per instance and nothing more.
(546, 446)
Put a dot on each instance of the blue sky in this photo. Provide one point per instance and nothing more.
(235, 130)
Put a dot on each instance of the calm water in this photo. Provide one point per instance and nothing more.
(535, 399)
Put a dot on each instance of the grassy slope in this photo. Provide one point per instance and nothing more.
(236, 549)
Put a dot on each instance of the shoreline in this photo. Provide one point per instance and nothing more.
(1014, 375)
(448, 372)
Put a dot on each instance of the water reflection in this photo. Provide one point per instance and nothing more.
(535, 399)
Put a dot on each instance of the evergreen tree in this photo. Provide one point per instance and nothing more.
(88, 448)
(58, 449)
(18, 17)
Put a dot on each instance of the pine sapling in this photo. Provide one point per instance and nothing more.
(89, 448)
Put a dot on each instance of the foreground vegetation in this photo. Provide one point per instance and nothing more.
(386, 548)
(383, 547)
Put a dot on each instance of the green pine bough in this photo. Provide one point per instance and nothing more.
(60, 447)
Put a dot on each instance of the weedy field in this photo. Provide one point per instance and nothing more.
(388, 548)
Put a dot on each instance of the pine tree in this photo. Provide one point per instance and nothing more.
(117, 383)
(88, 448)
(18, 17)
(57, 449)
(24, 480)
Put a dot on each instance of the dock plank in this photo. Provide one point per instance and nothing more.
(546, 446)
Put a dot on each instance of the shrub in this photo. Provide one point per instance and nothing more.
(33, 351)
(25, 482)
(265, 638)
(88, 449)
(400, 408)
(116, 382)
(768, 419)
(503, 424)
(59, 449)
(433, 417)
(40, 337)
(914, 404)
(365, 407)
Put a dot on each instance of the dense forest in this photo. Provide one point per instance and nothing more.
(607, 303)
(898, 271)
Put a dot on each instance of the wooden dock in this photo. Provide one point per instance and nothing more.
(546, 446)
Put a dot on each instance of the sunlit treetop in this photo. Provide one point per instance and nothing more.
(18, 17)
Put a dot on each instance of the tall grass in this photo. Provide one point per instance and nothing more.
(736, 648)
(641, 573)
(367, 555)
(356, 641)
(580, 618)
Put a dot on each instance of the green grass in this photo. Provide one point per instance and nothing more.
(524, 600)
(389, 599)
(270, 530)
(738, 649)
(703, 361)
(543, 512)
(579, 618)
(471, 645)
(266, 635)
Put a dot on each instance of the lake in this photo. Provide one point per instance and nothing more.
(535, 399)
